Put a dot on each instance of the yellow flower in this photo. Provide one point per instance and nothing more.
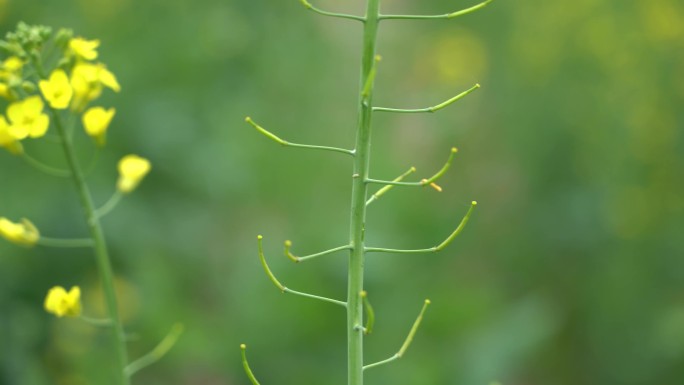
(132, 169)
(27, 118)
(61, 303)
(10, 67)
(57, 90)
(10, 73)
(87, 81)
(96, 121)
(85, 49)
(24, 233)
(7, 140)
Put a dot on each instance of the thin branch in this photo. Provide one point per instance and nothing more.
(385, 189)
(368, 329)
(276, 139)
(406, 343)
(308, 6)
(157, 353)
(294, 258)
(444, 16)
(285, 289)
(109, 205)
(38, 165)
(245, 365)
(101, 322)
(437, 248)
(368, 86)
(428, 109)
(424, 182)
(57, 242)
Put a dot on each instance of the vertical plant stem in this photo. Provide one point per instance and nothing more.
(358, 202)
(101, 255)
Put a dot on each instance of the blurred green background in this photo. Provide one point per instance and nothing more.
(570, 272)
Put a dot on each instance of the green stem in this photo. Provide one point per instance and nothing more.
(428, 109)
(44, 167)
(358, 201)
(434, 249)
(388, 187)
(245, 365)
(109, 205)
(58, 242)
(101, 322)
(100, 246)
(444, 16)
(157, 353)
(297, 259)
(308, 5)
(407, 341)
(285, 143)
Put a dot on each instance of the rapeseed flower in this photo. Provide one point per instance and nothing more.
(132, 169)
(10, 67)
(10, 73)
(24, 233)
(87, 81)
(84, 49)
(96, 121)
(7, 140)
(57, 90)
(27, 118)
(62, 303)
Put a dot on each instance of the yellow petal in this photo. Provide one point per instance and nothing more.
(15, 112)
(39, 126)
(33, 106)
(86, 49)
(57, 90)
(96, 121)
(7, 140)
(12, 64)
(108, 79)
(4, 90)
(132, 169)
(53, 300)
(61, 303)
(24, 233)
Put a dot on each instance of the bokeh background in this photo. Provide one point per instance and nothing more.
(570, 272)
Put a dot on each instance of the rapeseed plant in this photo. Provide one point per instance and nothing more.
(357, 303)
(50, 80)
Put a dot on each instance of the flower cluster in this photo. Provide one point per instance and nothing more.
(73, 84)
(41, 92)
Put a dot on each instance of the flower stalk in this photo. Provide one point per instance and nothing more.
(359, 197)
(357, 299)
(104, 264)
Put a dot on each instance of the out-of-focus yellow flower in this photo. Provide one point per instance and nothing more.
(10, 73)
(57, 90)
(87, 81)
(62, 303)
(27, 118)
(7, 140)
(132, 169)
(10, 67)
(24, 233)
(96, 121)
(84, 49)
